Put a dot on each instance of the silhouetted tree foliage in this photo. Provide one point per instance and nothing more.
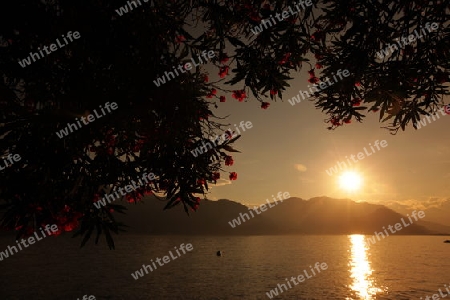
(154, 129)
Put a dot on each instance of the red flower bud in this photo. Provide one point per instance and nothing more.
(265, 105)
(223, 71)
(313, 80)
(223, 58)
(229, 160)
(216, 176)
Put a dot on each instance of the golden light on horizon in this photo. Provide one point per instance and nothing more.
(350, 181)
(360, 269)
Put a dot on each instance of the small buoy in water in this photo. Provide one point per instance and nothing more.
(219, 253)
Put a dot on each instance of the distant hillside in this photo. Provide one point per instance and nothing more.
(321, 215)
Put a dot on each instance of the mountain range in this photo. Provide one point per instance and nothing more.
(320, 215)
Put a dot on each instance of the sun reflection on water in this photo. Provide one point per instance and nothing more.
(361, 272)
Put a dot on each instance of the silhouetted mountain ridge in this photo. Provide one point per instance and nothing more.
(319, 215)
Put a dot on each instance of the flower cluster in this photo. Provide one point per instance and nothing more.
(196, 204)
(223, 71)
(285, 59)
(335, 121)
(229, 160)
(312, 77)
(216, 176)
(239, 95)
(67, 220)
(356, 102)
(212, 93)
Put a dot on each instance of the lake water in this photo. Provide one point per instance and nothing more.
(398, 267)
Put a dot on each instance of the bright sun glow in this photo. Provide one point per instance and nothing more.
(350, 181)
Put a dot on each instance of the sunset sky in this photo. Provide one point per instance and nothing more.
(290, 149)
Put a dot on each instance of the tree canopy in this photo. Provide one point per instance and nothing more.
(62, 63)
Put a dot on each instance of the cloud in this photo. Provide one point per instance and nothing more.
(306, 180)
(300, 167)
(437, 209)
(423, 204)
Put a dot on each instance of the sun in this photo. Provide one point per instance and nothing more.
(350, 181)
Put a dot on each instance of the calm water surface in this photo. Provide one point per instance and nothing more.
(398, 267)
